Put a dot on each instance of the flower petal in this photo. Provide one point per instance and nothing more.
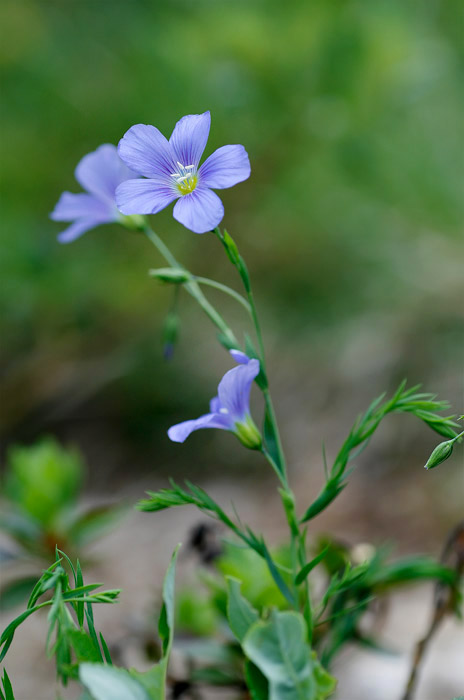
(189, 138)
(143, 196)
(78, 206)
(234, 389)
(215, 405)
(77, 229)
(101, 171)
(181, 431)
(239, 357)
(225, 167)
(200, 211)
(145, 150)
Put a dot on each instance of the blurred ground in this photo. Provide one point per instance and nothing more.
(135, 556)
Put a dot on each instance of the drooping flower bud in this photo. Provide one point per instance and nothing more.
(248, 434)
(173, 275)
(170, 334)
(134, 222)
(440, 454)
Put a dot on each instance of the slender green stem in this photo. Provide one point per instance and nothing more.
(192, 287)
(280, 476)
(224, 288)
(297, 543)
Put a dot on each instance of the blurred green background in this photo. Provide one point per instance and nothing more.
(351, 222)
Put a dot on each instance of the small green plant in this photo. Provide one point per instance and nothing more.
(274, 634)
(40, 509)
(71, 636)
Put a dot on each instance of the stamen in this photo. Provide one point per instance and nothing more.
(186, 179)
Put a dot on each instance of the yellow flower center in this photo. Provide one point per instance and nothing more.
(186, 179)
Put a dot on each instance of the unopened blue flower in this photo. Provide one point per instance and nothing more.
(230, 409)
(99, 173)
(172, 171)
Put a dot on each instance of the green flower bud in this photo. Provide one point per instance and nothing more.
(231, 248)
(173, 275)
(440, 454)
(135, 222)
(248, 434)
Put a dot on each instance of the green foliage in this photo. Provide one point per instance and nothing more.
(7, 693)
(43, 480)
(240, 614)
(104, 682)
(69, 641)
(176, 496)
(422, 405)
(279, 649)
(41, 511)
(154, 680)
(307, 568)
(351, 588)
(196, 612)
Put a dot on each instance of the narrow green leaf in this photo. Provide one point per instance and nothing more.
(324, 499)
(154, 680)
(304, 572)
(106, 651)
(8, 632)
(7, 687)
(240, 613)
(79, 606)
(270, 440)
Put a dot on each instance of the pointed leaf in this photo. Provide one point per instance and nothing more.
(279, 649)
(240, 613)
(105, 682)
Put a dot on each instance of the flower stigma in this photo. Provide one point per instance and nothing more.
(186, 179)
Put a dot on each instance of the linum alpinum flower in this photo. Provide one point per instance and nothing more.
(230, 409)
(99, 173)
(171, 171)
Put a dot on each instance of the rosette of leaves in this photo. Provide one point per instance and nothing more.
(40, 510)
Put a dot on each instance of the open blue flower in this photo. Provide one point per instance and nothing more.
(230, 409)
(172, 171)
(99, 173)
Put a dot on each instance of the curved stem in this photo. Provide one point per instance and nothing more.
(227, 290)
(192, 287)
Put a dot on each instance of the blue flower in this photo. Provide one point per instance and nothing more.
(99, 173)
(230, 409)
(172, 171)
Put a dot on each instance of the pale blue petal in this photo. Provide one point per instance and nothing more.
(215, 405)
(200, 211)
(101, 171)
(225, 167)
(143, 196)
(78, 206)
(240, 357)
(77, 229)
(146, 151)
(234, 389)
(189, 138)
(181, 431)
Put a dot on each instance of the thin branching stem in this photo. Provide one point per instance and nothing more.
(192, 287)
